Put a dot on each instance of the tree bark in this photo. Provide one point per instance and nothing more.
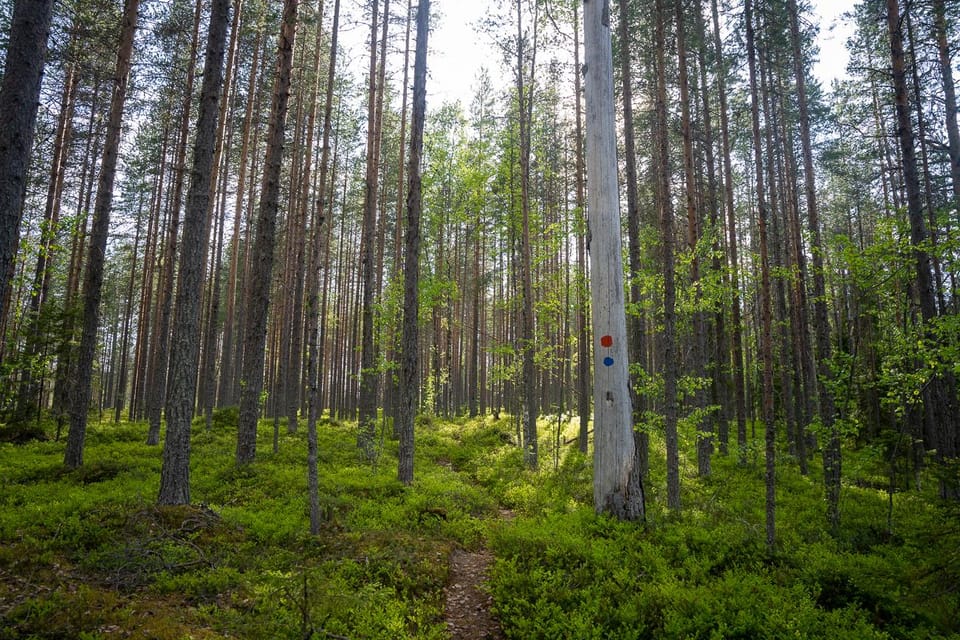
(583, 329)
(185, 341)
(636, 326)
(258, 296)
(93, 274)
(366, 427)
(736, 323)
(949, 99)
(766, 307)
(617, 485)
(410, 344)
(665, 206)
(19, 100)
(940, 394)
(528, 346)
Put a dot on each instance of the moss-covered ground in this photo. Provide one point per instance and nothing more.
(88, 554)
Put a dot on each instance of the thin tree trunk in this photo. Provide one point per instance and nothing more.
(736, 323)
(949, 98)
(93, 274)
(28, 404)
(156, 393)
(314, 343)
(766, 311)
(699, 351)
(583, 340)
(262, 259)
(410, 362)
(669, 348)
(528, 346)
(228, 364)
(636, 326)
(367, 419)
(821, 325)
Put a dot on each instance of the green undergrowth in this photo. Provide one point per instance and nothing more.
(88, 554)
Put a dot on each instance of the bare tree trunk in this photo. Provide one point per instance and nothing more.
(821, 325)
(93, 275)
(583, 340)
(410, 363)
(940, 394)
(766, 311)
(228, 364)
(320, 226)
(669, 340)
(698, 358)
(185, 341)
(28, 405)
(156, 392)
(258, 298)
(617, 485)
(636, 326)
(367, 419)
(736, 328)
(128, 312)
(19, 100)
(528, 346)
(949, 98)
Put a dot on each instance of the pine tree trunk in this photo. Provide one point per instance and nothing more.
(698, 356)
(583, 339)
(821, 324)
(27, 394)
(157, 390)
(262, 258)
(949, 99)
(636, 325)
(185, 341)
(528, 347)
(314, 313)
(19, 100)
(93, 274)
(410, 343)
(229, 363)
(736, 323)
(766, 307)
(368, 375)
(940, 394)
(665, 207)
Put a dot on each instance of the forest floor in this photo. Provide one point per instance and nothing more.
(478, 548)
(469, 605)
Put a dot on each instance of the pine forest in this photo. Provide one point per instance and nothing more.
(652, 333)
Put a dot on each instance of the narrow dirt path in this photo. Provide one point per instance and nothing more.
(468, 613)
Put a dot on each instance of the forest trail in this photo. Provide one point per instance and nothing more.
(468, 607)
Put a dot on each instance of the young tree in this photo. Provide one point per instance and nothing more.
(261, 274)
(19, 100)
(93, 274)
(185, 341)
(410, 344)
(617, 486)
